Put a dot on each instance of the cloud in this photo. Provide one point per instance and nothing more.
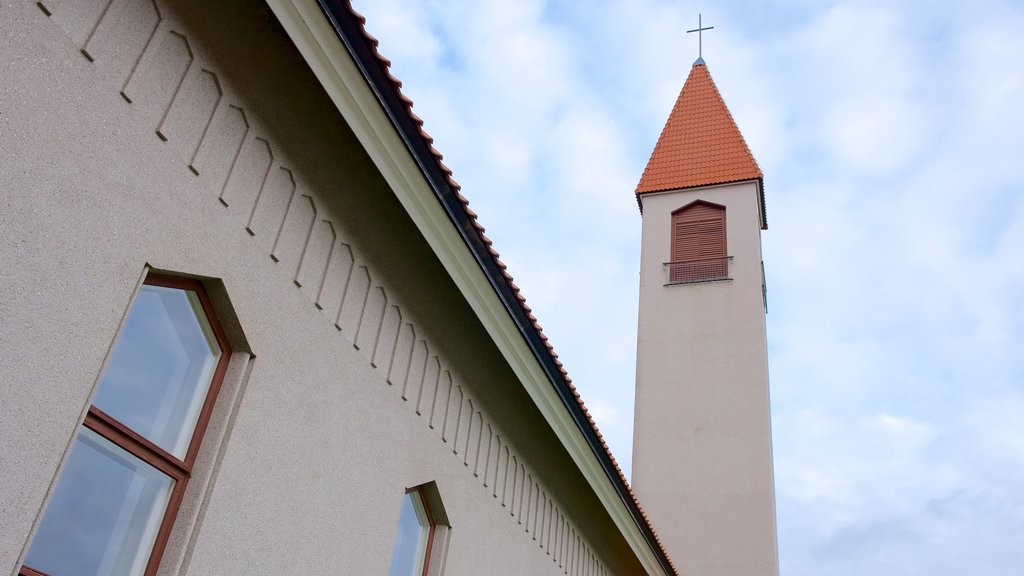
(877, 134)
(964, 530)
(901, 431)
(889, 134)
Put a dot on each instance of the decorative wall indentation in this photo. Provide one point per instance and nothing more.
(339, 271)
(92, 32)
(520, 488)
(485, 471)
(508, 490)
(538, 509)
(165, 78)
(467, 444)
(485, 454)
(271, 205)
(161, 70)
(316, 261)
(122, 33)
(310, 247)
(221, 145)
(501, 474)
(444, 391)
(249, 171)
(559, 547)
(354, 301)
(78, 18)
(531, 511)
(372, 322)
(190, 114)
(402, 354)
(545, 523)
(463, 412)
(387, 340)
(292, 238)
(450, 429)
(473, 453)
(417, 370)
(428, 391)
(493, 452)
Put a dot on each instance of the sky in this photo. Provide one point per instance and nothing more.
(889, 134)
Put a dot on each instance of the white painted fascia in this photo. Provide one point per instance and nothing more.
(329, 60)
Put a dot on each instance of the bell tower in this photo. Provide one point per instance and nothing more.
(702, 452)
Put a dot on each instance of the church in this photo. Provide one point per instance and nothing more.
(252, 326)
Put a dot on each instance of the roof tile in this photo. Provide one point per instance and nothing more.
(700, 144)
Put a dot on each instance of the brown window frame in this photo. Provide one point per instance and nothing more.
(705, 267)
(179, 470)
(439, 527)
(433, 526)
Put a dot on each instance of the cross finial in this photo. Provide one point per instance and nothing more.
(700, 40)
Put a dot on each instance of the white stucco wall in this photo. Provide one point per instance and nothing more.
(194, 140)
(702, 462)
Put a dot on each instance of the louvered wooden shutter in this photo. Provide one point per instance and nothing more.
(685, 241)
(698, 243)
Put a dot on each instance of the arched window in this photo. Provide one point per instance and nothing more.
(422, 538)
(698, 243)
(115, 500)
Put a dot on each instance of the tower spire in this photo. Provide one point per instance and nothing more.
(702, 456)
(700, 144)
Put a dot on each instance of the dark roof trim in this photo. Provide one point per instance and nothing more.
(760, 191)
(363, 52)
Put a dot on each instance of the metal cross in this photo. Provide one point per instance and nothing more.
(700, 31)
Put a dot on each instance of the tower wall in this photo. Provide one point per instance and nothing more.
(702, 458)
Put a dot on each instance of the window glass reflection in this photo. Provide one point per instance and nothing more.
(411, 540)
(161, 368)
(104, 514)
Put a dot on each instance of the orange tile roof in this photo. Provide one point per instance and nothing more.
(700, 144)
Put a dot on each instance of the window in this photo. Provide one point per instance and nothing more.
(421, 543)
(115, 501)
(415, 531)
(698, 243)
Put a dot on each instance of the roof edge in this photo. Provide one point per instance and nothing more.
(763, 206)
(752, 170)
(693, 186)
(348, 27)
